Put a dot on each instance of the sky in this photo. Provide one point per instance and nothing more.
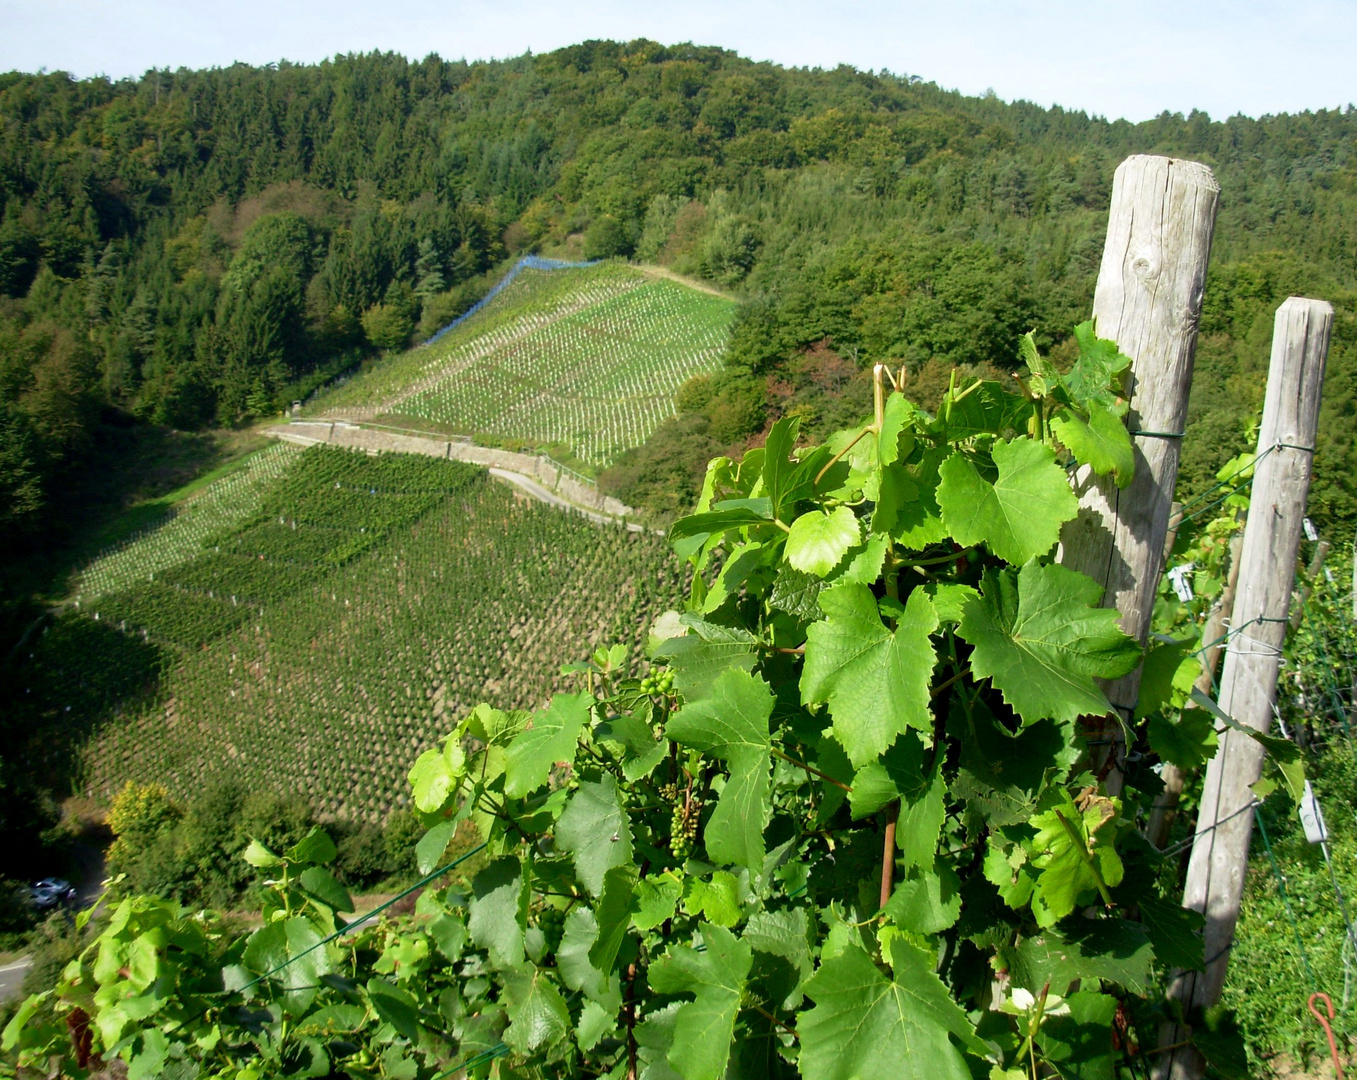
(1130, 59)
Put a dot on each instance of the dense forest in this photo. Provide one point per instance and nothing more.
(194, 248)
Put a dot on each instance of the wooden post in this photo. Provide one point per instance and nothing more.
(1248, 685)
(1148, 300)
(1166, 804)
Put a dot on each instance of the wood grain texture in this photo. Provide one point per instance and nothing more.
(1258, 624)
(1148, 300)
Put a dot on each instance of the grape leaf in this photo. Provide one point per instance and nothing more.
(1019, 515)
(917, 520)
(716, 977)
(1189, 743)
(594, 828)
(699, 656)
(657, 897)
(899, 413)
(900, 773)
(1074, 855)
(797, 593)
(1101, 442)
(1175, 932)
(1079, 1044)
(577, 971)
(777, 468)
(876, 681)
(781, 941)
(614, 915)
(493, 921)
(537, 1013)
(550, 737)
(1038, 637)
(1170, 669)
(641, 751)
(866, 1025)
(818, 541)
(1090, 380)
(732, 724)
(730, 514)
(1111, 950)
(926, 901)
(717, 900)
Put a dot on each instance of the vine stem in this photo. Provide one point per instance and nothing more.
(780, 1023)
(631, 1022)
(888, 852)
(951, 682)
(813, 771)
(830, 463)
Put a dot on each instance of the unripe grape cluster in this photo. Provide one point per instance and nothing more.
(658, 682)
(551, 921)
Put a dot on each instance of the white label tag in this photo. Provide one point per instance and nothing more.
(1181, 586)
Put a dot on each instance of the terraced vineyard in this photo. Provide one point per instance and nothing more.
(588, 358)
(321, 642)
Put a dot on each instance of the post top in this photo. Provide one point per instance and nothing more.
(1319, 307)
(1188, 172)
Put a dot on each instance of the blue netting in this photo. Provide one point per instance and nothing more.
(528, 262)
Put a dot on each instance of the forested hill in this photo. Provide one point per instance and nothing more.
(194, 247)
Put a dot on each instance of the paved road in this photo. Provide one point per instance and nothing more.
(12, 977)
(537, 491)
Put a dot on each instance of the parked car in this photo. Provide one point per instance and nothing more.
(51, 892)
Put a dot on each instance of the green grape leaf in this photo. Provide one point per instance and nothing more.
(614, 915)
(551, 736)
(926, 901)
(1019, 515)
(732, 724)
(657, 897)
(1175, 932)
(437, 774)
(866, 1025)
(395, 1005)
(876, 681)
(321, 885)
(717, 900)
(315, 847)
(819, 540)
(917, 522)
(595, 829)
(777, 466)
(949, 600)
(1074, 855)
(577, 971)
(1170, 669)
(983, 409)
(286, 950)
(538, 1017)
(1038, 636)
(1078, 1044)
(1111, 950)
(705, 1026)
(1092, 379)
(595, 1022)
(641, 751)
(781, 941)
(260, 857)
(1189, 743)
(727, 515)
(493, 921)
(745, 560)
(797, 593)
(1101, 442)
(899, 414)
(700, 656)
(433, 844)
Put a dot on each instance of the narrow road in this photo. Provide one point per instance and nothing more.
(537, 491)
(12, 977)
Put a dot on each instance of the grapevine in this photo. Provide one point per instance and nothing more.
(845, 825)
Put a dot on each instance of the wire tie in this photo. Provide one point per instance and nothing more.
(1158, 434)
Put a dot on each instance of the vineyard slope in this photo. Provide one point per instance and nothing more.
(584, 358)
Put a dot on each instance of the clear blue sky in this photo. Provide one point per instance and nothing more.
(1132, 59)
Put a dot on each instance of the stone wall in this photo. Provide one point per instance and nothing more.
(541, 469)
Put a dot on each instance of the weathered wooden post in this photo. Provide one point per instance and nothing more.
(1248, 684)
(1147, 300)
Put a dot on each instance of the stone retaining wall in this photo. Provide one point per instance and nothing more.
(544, 471)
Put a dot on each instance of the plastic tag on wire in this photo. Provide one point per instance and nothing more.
(1312, 817)
(1182, 586)
(1311, 533)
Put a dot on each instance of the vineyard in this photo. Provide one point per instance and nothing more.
(587, 358)
(318, 643)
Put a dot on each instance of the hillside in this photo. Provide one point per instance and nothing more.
(311, 623)
(582, 359)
